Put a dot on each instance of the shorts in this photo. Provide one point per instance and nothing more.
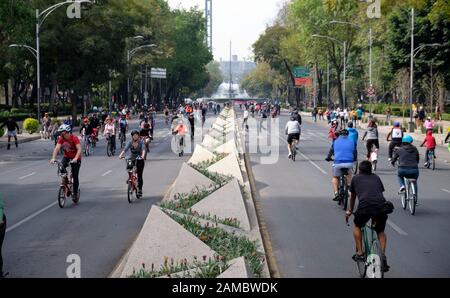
(340, 168)
(12, 133)
(361, 219)
(292, 137)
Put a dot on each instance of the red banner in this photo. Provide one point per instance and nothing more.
(299, 82)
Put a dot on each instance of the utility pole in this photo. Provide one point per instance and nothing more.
(231, 79)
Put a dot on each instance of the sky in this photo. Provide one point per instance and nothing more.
(241, 21)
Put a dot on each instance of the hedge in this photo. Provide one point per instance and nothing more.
(31, 125)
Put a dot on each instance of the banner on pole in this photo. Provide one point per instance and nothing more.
(300, 82)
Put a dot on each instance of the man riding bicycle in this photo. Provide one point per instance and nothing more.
(344, 157)
(408, 157)
(72, 155)
(86, 130)
(292, 130)
(369, 189)
(395, 136)
(137, 155)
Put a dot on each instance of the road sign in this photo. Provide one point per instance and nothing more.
(371, 91)
(299, 82)
(159, 73)
(301, 72)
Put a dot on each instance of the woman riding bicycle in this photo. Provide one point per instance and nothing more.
(137, 155)
(408, 157)
(372, 138)
(109, 132)
(145, 132)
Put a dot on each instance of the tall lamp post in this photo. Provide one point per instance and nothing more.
(344, 43)
(40, 18)
(130, 55)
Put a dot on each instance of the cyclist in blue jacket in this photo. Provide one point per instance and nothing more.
(344, 157)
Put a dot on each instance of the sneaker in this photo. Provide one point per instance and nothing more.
(425, 165)
(328, 159)
(75, 198)
(336, 197)
(358, 258)
(17, 145)
(4, 274)
(290, 156)
(139, 193)
(402, 189)
(389, 159)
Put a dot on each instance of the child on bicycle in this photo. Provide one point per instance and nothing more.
(180, 132)
(430, 142)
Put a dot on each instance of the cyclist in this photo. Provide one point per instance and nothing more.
(166, 114)
(372, 137)
(333, 137)
(180, 131)
(395, 136)
(292, 130)
(86, 130)
(109, 132)
(145, 132)
(245, 124)
(344, 157)
(11, 126)
(408, 157)
(72, 155)
(430, 142)
(137, 155)
(204, 111)
(123, 126)
(192, 124)
(369, 189)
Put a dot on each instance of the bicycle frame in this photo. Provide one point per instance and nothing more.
(372, 254)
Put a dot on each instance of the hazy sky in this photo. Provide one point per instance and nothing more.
(241, 21)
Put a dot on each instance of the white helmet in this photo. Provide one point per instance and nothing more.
(65, 128)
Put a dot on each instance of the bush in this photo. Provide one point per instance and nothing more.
(31, 125)
(2, 132)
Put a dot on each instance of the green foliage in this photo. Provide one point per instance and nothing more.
(31, 125)
(2, 132)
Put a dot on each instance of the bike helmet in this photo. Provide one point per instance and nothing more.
(134, 132)
(407, 139)
(396, 124)
(65, 128)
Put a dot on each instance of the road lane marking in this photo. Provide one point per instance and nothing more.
(106, 173)
(26, 176)
(396, 228)
(308, 159)
(446, 190)
(30, 217)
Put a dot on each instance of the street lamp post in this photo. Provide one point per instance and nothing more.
(344, 43)
(130, 54)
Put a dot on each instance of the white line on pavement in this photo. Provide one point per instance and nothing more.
(107, 173)
(446, 190)
(30, 217)
(396, 228)
(26, 176)
(308, 159)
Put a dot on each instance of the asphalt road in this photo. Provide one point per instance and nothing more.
(308, 230)
(100, 229)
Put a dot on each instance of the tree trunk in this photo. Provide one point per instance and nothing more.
(74, 100)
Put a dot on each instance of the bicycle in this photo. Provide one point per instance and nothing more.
(132, 181)
(66, 187)
(374, 159)
(109, 147)
(431, 160)
(355, 167)
(294, 150)
(180, 145)
(409, 196)
(343, 189)
(86, 144)
(372, 265)
(122, 138)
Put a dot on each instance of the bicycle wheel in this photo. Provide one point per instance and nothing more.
(412, 198)
(375, 261)
(130, 193)
(294, 153)
(433, 160)
(109, 149)
(62, 197)
(355, 167)
(404, 198)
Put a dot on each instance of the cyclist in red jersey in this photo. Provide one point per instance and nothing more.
(72, 155)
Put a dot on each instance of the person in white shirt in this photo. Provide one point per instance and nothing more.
(293, 130)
